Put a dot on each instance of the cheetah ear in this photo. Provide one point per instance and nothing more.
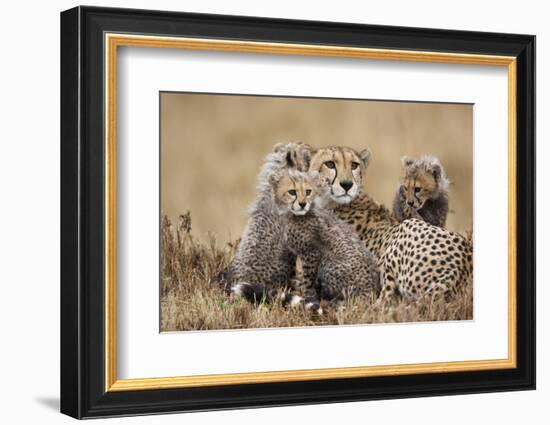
(366, 157)
(406, 161)
(293, 157)
(298, 156)
(290, 161)
(436, 172)
(306, 156)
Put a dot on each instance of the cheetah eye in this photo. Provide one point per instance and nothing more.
(416, 189)
(292, 192)
(354, 165)
(330, 164)
(308, 192)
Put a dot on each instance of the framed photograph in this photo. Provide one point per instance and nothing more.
(260, 212)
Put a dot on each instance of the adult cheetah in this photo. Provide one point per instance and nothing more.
(415, 258)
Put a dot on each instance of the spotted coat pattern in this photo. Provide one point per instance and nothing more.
(344, 266)
(415, 258)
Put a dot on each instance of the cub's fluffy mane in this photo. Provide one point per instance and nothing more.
(412, 167)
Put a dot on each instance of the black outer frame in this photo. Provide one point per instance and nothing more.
(82, 216)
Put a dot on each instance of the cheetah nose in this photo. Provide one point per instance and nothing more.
(411, 203)
(346, 185)
(302, 205)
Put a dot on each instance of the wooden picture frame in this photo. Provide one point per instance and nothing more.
(90, 38)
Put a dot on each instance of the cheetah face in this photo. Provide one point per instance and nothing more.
(420, 181)
(295, 192)
(414, 193)
(343, 168)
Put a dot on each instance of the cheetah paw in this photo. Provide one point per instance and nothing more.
(315, 307)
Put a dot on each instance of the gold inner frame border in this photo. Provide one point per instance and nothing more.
(113, 40)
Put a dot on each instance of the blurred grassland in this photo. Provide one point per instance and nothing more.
(213, 145)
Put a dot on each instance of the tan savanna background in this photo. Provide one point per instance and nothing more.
(212, 147)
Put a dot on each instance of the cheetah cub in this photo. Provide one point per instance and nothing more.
(262, 263)
(342, 265)
(423, 191)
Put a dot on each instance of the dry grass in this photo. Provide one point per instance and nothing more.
(191, 301)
